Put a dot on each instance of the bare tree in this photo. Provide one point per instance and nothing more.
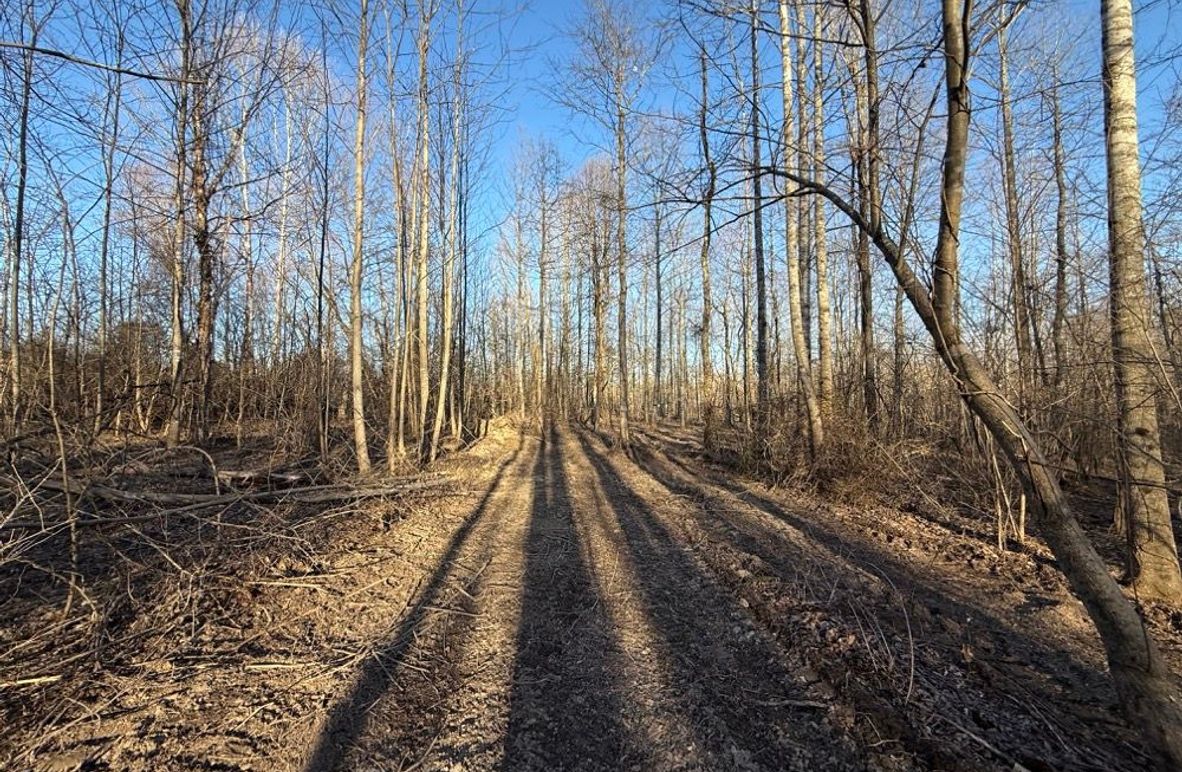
(356, 364)
(1014, 245)
(611, 58)
(1153, 557)
(804, 375)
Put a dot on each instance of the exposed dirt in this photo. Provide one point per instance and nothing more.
(583, 609)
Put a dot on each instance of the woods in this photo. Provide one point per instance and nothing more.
(883, 253)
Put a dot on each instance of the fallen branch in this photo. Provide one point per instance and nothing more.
(249, 477)
(49, 679)
(190, 503)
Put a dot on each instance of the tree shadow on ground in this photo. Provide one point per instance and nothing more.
(346, 721)
(748, 710)
(732, 513)
(561, 715)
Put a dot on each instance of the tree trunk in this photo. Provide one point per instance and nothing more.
(704, 258)
(622, 257)
(177, 288)
(660, 399)
(114, 108)
(866, 164)
(356, 364)
(18, 240)
(598, 279)
(246, 353)
(820, 225)
(206, 243)
(804, 375)
(423, 214)
(762, 397)
(448, 268)
(280, 311)
(396, 388)
(1153, 558)
(1022, 327)
(1060, 313)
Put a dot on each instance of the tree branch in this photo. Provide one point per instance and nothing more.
(88, 63)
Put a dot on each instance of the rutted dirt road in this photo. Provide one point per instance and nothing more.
(583, 609)
(586, 637)
(653, 613)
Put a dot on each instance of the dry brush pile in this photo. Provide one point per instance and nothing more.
(140, 560)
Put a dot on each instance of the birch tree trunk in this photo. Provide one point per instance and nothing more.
(804, 375)
(1153, 557)
(356, 365)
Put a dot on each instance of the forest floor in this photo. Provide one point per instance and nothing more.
(579, 608)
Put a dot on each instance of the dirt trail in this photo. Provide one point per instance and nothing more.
(585, 609)
(590, 639)
(670, 616)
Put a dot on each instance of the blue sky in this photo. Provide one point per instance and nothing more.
(538, 33)
(535, 35)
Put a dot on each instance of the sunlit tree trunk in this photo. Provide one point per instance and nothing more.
(704, 339)
(1014, 246)
(177, 289)
(660, 398)
(396, 388)
(598, 279)
(452, 247)
(804, 376)
(622, 255)
(1153, 557)
(820, 225)
(423, 218)
(280, 309)
(356, 364)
